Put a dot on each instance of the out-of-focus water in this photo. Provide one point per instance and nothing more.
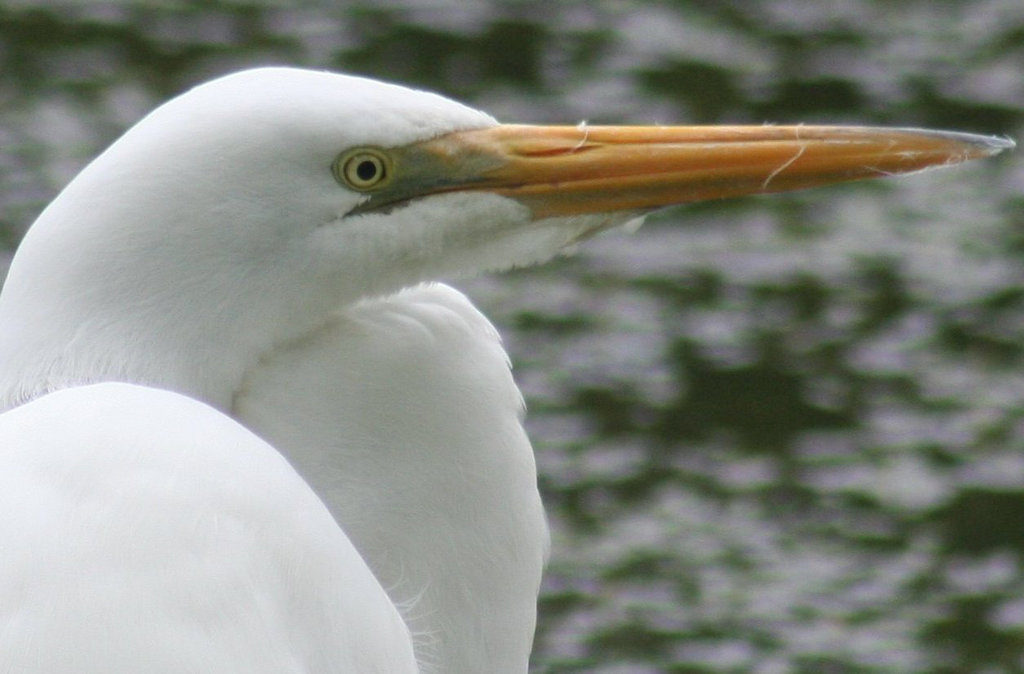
(777, 434)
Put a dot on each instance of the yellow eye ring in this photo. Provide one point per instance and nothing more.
(363, 169)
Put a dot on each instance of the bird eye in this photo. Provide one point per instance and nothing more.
(362, 169)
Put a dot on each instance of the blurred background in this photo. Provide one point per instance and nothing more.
(777, 434)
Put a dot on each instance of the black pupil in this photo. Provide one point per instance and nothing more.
(366, 170)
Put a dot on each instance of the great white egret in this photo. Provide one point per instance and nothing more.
(263, 246)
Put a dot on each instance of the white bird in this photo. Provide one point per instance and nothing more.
(253, 262)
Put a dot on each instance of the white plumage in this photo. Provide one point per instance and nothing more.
(251, 305)
(171, 541)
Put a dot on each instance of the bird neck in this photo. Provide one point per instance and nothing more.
(92, 297)
(403, 416)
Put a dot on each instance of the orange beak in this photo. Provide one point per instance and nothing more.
(565, 170)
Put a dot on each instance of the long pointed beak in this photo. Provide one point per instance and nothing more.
(565, 170)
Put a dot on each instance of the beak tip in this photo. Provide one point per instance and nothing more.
(997, 144)
(984, 146)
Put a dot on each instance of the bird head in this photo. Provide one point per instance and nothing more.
(239, 214)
